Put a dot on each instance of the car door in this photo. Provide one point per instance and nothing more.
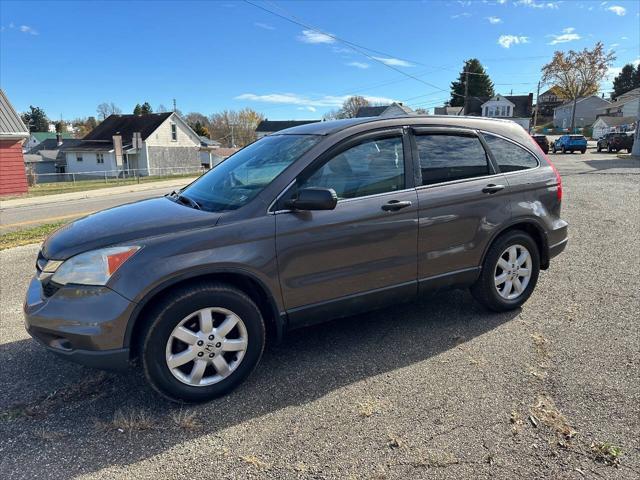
(462, 202)
(362, 254)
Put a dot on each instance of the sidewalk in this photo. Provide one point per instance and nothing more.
(100, 192)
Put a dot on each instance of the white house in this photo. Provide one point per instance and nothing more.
(626, 105)
(516, 108)
(613, 124)
(587, 109)
(123, 145)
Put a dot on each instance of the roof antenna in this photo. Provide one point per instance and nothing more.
(174, 105)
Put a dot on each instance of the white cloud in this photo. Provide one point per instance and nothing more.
(361, 65)
(28, 29)
(568, 35)
(311, 36)
(394, 62)
(494, 20)
(624, 38)
(327, 101)
(618, 10)
(502, 2)
(614, 45)
(266, 26)
(535, 4)
(308, 108)
(461, 15)
(505, 41)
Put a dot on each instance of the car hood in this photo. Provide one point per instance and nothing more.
(133, 221)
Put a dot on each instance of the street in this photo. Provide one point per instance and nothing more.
(434, 389)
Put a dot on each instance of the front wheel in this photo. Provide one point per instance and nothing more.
(564, 150)
(599, 148)
(509, 272)
(203, 341)
(583, 151)
(629, 150)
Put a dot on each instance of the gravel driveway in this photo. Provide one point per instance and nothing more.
(436, 389)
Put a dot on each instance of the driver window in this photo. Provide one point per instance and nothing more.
(369, 168)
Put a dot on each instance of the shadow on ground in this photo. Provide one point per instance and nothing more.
(67, 424)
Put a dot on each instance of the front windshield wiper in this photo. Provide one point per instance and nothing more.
(183, 199)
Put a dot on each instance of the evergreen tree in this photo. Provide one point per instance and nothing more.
(145, 108)
(480, 85)
(627, 80)
(36, 120)
(137, 110)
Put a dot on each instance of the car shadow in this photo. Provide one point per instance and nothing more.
(608, 164)
(61, 415)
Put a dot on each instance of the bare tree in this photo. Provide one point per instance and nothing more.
(105, 109)
(161, 108)
(351, 106)
(234, 128)
(577, 74)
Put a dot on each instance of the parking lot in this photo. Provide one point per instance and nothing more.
(435, 389)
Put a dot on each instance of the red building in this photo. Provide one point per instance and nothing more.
(13, 179)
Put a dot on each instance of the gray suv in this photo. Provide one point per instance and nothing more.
(312, 223)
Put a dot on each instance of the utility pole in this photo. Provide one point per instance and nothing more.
(466, 92)
(535, 114)
(233, 139)
(174, 105)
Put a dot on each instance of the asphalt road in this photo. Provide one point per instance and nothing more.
(28, 216)
(436, 389)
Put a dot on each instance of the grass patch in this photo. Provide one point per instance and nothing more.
(606, 453)
(82, 185)
(28, 235)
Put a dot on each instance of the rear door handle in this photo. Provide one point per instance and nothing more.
(395, 205)
(491, 188)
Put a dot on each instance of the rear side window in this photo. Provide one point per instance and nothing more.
(510, 157)
(444, 158)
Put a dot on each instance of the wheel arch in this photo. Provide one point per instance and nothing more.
(534, 229)
(242, 280)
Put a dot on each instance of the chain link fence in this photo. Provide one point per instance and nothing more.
(113, 176)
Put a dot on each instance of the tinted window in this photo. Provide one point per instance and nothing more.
(450, 157)
(374, 166)
(510, 157)
(235, 181)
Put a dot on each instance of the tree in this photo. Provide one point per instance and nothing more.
(143, 109)
(161, 108)
(61, 127)
(84, 126)
(626, 80)
(421, 111)
(577, 74)
(351, 106)
(36, 120)
(105, 109)
(480, 85)
(235, 128)
(198, 122)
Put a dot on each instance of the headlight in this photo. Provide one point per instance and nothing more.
(94, 267)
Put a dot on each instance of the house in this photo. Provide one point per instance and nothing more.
(625, 105)
(447, 110)
(587, 108)
(393, 110)
(220, 154)
(48, 158)
(207, 147)
(604, 125)
(36, 138)
(267, 127)
(517, 108)
(13, 132)
(123, 145)
(547, 101)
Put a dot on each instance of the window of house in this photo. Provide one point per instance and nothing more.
(174, 132)
(444, 158)
(508, 110)
(99, 157)
(78, 157)
(369, 168)
(510, 157)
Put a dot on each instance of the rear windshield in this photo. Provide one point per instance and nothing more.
(577, 137)
(236, 181)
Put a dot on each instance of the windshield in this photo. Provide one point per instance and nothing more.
(236, 181)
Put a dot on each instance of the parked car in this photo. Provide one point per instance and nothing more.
(542, 141)
(314, 222)
(614, 142)
(570, 143)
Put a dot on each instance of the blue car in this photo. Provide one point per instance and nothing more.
(570, 143)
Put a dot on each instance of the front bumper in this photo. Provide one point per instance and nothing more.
(84, 324)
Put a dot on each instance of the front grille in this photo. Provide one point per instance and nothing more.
(49, 288)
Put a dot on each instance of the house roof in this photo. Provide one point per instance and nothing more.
(581, 99)
(11, 125)
(620, 102)
(630, 95)
(371, 111)
(207, 142)
(447, 110)
(126, 125)
(52, 144)
(42, 136)
(224, 152)
(91, 146)
(277, 125)
(617, 121)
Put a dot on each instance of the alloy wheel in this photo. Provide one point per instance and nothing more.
(206, 346)
(513, 272)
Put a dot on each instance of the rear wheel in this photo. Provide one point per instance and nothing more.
(599, 148)
(609, 149)
(509, 272)
(629, 150)
(584, 150)
(203, 342)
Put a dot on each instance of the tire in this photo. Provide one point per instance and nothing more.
(629, 150)
(564, 150)
(485, 291)
(187, 307)
(583, 151)
(599, 148)
(554, 149)
(609, 149)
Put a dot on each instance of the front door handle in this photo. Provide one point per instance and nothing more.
(395, 205)
(491, 188)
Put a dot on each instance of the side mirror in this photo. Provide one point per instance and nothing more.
(314, 199)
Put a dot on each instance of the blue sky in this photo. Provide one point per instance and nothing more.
(67, 57)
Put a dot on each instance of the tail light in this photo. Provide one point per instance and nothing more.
(555, 171)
